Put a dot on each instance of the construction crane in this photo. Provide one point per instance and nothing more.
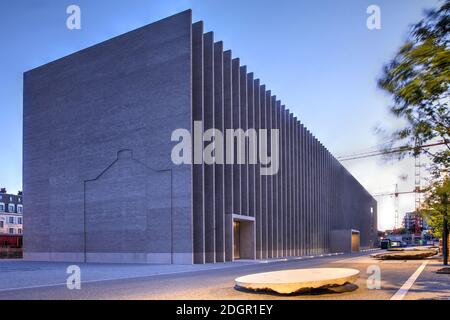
(376, 153)
(396, 194)
(417, 177)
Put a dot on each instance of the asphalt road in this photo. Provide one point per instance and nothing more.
(219, 283)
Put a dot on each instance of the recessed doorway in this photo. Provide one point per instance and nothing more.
(355, 241)
(237, 239)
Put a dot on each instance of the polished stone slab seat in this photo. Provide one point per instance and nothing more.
(297, 280)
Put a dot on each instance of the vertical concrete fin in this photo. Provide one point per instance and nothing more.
(263, 116)
(228, 178)
(274, 184)
(244, 126)
(251, 167)
(295, 186)
(209, 168)
(279, 184)
(198, 168)
(283, 198)
(235, 81)
(269, 177)
(219, 173)
(258, 198)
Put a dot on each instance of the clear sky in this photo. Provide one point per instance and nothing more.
(318, 56)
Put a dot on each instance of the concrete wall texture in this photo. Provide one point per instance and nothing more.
(99, 181)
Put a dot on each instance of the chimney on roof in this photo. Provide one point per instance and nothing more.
(3, 190)
(19, 193)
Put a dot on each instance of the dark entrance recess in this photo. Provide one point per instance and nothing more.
(237, 239)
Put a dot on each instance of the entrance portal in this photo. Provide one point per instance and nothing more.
(237, 239)
(240, 235)
(355, 241)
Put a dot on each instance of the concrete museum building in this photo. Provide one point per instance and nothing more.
(100, 184)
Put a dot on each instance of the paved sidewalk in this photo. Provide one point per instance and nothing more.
(431, 285)
(18, 274)
(28, 274)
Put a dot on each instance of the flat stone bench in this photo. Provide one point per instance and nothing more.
(297, 280)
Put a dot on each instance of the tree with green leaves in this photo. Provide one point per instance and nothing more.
(418, 79)
(436, 208)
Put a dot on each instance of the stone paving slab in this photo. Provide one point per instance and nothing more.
(18, 274)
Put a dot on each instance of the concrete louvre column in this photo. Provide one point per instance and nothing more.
(251, 125)
(219, 172)
(315, 194)
(299, 188)
(258, 197)
(279, 187)
(303, 166)
(291, 164)
(327, 202)
(333, 192)
(322, 200)
(269, 177)
(283, 179)
(244, 126)
(208, 116)
(309, 198)
(327, 198)
(296, 211)
(329, 179)
(197, 171)
(289, 182)
(274, 187)
(294, 189)
(228, 178)
(235, 81)
(265, 228)
(312, 194)
(318, 195)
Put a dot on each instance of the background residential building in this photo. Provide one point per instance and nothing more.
(11, 213)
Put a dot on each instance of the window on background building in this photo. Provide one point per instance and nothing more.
(11, 230)
(11, 207)
(19, 199)
(19, 220)
(19, 208)
(11, 220)
(2, 207)
(19, 231)
(372, 220)
(10, 199)
(2, 224)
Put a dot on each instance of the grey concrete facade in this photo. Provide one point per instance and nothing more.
(98, 177)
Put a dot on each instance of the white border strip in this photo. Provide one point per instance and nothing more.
(401, 293)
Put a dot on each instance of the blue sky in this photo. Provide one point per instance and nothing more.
(316, 55)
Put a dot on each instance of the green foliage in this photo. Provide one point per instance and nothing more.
(437, 204)
(418, 79)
